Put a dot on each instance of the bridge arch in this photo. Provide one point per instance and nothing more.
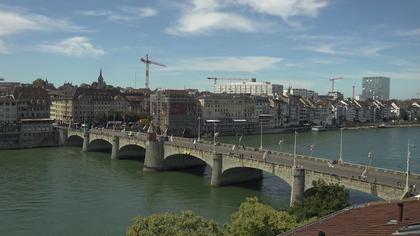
(99, 144)
(131, 151)
(75, 140)
(182, 160)
(240, 174)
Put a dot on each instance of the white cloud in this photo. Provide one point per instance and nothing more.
(13, 21)
(75, 46)
(286, 8)
(343, 45)
(227, 64)
(205, 16)
(124, 13)
(204, 22)
(409, 33)
(3, 48)
(325, 48)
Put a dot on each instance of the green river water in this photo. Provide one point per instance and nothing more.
(63, 191)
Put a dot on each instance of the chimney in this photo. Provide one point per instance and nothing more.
(401, 215)
(353, 91)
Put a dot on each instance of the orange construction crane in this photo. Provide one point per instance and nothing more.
(332, 82)
(148, 62)
(231, 79)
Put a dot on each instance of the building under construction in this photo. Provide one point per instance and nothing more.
(250, 87)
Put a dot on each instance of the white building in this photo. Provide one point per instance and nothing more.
(376, 88)
(253, 88)
(305, 93)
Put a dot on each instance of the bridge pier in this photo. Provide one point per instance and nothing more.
(298, 185)
(62, 137)
(85, 141)
(216, 172)
(115, 147)
(154, 158)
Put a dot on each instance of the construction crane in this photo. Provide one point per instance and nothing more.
(231, 79)
(147, 62)
(332, 82)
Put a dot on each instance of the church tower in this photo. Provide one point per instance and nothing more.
(101, 82)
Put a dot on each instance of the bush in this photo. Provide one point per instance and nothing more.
(321, 200)
(254, 219)
(170, 224)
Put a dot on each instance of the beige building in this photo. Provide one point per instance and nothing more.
(8, 109)
(236, 113)
(32, 103)
(79, 105)
(138, 101)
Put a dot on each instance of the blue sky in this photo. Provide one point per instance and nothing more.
(298, 43)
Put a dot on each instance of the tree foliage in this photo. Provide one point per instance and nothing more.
(170, 224)
(321, 200)
(39, 83)
(254, 219)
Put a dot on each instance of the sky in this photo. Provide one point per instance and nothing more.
(297, 43)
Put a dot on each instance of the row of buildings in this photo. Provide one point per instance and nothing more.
(181, 111)
(25, 118)
(242, 107)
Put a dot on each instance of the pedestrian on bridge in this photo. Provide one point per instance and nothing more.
(195, 144)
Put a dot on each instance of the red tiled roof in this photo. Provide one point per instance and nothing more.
(370, 219)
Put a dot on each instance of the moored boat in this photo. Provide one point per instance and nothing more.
(318, 128)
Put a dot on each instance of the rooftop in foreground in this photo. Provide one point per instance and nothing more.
(378, 218)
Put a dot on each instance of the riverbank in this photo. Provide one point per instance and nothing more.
(378, 126)
(300, 129)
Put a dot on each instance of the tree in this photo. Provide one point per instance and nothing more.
(39, 83)
(254, 219)
(321, 200)
(100, 118)
(170, 224)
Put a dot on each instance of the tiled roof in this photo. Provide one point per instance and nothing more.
(381, 218)
(28, 93)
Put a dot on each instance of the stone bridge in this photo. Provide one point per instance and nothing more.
(232, 165)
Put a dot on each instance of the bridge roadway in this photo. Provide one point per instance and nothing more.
(387, 184)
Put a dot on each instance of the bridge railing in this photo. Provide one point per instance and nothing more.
(339, 178)
(381, 170)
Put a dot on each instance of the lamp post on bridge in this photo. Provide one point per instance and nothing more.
(199, 129)
(340, 160)
(262, 117)
(281, 141)
(294, 150)
(408, 167)
(370, 157)
(234, 124)
(214, 133)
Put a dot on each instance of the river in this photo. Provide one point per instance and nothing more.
(63, 191)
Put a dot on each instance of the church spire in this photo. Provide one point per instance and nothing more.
(101, 82)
